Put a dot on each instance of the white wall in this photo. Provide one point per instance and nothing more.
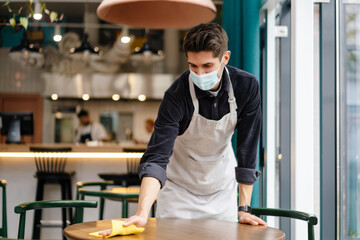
(17, 77)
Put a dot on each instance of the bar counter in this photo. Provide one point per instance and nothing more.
(76, 148)
(17, 167)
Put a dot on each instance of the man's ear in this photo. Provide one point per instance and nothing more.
(227, 57)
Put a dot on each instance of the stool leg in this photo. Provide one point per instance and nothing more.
(37, 214)
(153, 210)
(124, 208)
(69, 197)
(63, 197)
(101, 208)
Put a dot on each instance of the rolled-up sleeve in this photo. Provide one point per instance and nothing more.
(246, 175)
(160, 147)
(248, 132)
(154, 170)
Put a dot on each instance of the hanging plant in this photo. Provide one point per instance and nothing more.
(24, 20)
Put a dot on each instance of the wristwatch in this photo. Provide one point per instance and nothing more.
(245, 208)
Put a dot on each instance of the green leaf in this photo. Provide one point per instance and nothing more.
(21, 8)
(12, 21)
(24, 22)
(6, 3)
(53, 15)
(9, 9)
(30, 1)
(43, 6)
(31, 10)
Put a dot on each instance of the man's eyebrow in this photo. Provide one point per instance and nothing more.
(208, 63)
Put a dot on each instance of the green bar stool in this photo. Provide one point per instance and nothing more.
(102, 185)
(3, 229)
(123, 197)
(309, 218)
(78, 205)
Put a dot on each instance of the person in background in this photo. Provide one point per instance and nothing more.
(149, 127)
(89, 130)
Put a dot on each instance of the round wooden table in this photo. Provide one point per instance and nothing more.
(180, 229)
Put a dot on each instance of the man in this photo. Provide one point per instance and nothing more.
(89, 130)
(190, 156)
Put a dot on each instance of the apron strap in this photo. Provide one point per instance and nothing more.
(232, 99)
(193, 96)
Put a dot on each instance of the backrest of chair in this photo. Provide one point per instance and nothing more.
(309, 218)
(103, 185)
(50, 160)
(77, 204)
(3, 229)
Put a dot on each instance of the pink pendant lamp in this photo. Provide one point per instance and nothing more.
(157, 14)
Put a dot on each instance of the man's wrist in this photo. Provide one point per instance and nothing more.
(244, 208)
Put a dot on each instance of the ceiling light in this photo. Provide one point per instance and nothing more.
(115, 97)
(157, 14)
(58, 115)
(57, 33)
(141, 97)
(125, 38)
(54, 97)
(85, 97)
(37, 11)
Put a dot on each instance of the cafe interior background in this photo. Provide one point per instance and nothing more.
(305, 55)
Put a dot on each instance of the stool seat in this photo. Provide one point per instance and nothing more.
(125, 180)
(54, 177)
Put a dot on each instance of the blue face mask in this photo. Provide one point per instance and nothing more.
(206, 81)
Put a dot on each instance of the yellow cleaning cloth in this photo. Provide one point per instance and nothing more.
(119, 229)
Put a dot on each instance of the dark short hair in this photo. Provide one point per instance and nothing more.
(83, 113)
(206, 37)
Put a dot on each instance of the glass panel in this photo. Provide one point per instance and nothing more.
(317, 116)
(64, 129)
(349, 120)
(109, 121)
(125, 127)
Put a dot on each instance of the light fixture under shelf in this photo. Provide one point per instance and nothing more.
(27, 54)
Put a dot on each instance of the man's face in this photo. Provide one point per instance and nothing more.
(204, 62)
(84, 120)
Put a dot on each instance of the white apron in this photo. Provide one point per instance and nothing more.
(201, 171)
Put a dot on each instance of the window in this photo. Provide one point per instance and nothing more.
(349, 116)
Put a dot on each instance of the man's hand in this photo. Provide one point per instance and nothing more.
(106, 232)
(248, 218)
(139, 221)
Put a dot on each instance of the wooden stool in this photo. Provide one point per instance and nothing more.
(50, 169)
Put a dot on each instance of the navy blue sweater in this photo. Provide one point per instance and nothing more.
(176, 111)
